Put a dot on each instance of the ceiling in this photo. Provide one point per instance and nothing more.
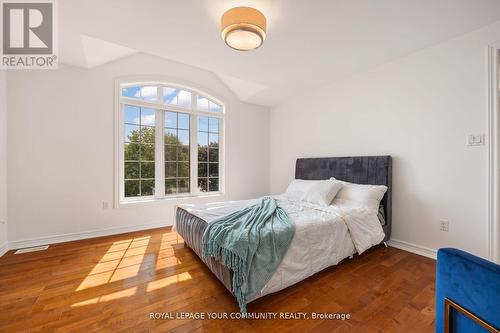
(309, 42)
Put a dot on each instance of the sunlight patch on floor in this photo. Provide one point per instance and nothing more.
(162, 283)
(169, 239)
(166, 255)
(122, 260)
(162, 263)
(106, 298)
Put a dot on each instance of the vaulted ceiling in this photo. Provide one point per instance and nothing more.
(310, 42)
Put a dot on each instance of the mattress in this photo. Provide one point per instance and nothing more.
(323, 237)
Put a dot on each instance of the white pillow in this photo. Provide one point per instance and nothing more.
(323, 192)
(358, 195)
(299, 187)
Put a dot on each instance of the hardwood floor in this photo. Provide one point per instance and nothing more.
(113, 284)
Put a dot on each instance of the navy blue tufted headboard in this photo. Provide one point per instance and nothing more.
(375, 170)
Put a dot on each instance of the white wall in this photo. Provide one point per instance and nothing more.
(3, 162)
(60, 143)
(418, 109)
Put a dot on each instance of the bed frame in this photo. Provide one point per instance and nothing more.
(376, 170)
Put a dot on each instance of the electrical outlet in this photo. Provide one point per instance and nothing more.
(444, 225)
(105, 205)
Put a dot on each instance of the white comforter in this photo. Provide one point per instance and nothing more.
(323, 235)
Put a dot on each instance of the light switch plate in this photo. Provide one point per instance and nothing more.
(475, 139)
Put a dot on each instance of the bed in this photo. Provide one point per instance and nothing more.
(318, 230)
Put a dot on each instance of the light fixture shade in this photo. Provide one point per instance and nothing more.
(243, 28)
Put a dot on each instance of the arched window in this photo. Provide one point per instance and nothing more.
(170, 141)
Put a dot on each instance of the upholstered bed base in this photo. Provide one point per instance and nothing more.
(191, 229)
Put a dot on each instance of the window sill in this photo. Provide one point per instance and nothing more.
(131, 202)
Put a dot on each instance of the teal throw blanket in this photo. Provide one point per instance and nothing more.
(252, 243)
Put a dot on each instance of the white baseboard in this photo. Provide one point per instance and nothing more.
(19, 244)
(4, 248)
(413, 248)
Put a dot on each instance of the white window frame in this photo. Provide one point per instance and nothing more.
(160, 108)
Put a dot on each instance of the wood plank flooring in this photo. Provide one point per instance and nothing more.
(113, 284)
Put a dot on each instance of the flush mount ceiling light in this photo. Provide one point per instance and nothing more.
(243, 28)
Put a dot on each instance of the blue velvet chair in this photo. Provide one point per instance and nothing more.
(470, 288)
